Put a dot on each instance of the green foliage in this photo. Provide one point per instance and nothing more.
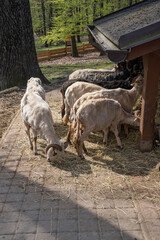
(40, 49)
(64, 18)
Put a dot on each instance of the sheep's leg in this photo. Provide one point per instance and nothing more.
(80, 141)
(119, 128)
(84, 149)
(35, 141)
(126, 129)
(115, 131)
(29, 136)
(62, 107)
(35, 145)
(67, 113)
(105, 136)
(69, 134)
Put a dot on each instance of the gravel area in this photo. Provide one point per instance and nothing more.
(88, 57)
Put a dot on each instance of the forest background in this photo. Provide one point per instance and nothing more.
(56, 20)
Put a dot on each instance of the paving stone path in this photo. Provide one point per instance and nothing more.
(36, 204)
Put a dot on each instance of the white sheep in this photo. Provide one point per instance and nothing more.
(97, 115)
(75, 91)
(35, 85)
(127, 99)
(37, 117)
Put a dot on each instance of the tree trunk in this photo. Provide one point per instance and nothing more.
(44, 17)
(101, 8)
(78, 38)
(74, 47)
(18, 54)
(119, 4)
(50, 24)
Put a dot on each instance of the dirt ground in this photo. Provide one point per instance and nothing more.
(10, 103)
(89, 57)
(127, 166)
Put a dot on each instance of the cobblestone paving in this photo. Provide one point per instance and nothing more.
(43, 202)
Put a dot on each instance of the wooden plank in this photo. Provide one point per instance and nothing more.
(80, 47)
(151, 63)
(42, 59)
(61, 50)
(58, 55)
(47, 55)
(144, 49)
(42, 54)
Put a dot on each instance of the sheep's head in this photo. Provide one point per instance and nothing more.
(34, 82)
(35, 85)
(137, 82)
(53, 150)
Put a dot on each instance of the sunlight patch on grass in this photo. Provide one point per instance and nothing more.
(61, 72)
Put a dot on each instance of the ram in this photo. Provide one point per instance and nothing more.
(35, 85)
(37, 117)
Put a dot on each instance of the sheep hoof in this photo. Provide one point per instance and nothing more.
(48, 160)
(120, 147)
(35, 153)
(31, 147)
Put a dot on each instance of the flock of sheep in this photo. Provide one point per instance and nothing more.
(87, 107)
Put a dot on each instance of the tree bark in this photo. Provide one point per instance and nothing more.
(74, 47)
(50, 24)
(78, 38)
(44, 17)
(17, 49)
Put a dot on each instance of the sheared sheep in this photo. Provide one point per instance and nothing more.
(35, 85)
(100, 114)
(75, 91)
(37, 117)
(127, 99)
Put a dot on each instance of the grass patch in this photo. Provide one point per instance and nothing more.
(55, 73)
(39, 49)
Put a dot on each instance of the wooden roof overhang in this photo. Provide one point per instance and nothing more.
(125, 35)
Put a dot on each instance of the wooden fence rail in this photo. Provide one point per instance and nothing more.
(47, 55)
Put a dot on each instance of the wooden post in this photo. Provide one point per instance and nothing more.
(83, 48)
(151, 63)
(65, 49)
(48, 55)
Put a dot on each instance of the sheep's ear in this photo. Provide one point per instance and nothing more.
(39, 81)
(140, 78)
(29, 80)
(133, 81)
(138, 81)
